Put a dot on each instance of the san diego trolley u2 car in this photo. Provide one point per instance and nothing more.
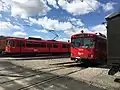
(88, 47)
(34, 46)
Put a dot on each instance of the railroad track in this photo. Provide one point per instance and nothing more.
(17, 72)
(46, 79)
(20, 70)
(29, 76)
(52, 78)
(38, 72)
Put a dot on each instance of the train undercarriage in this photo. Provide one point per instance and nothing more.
(31, 54)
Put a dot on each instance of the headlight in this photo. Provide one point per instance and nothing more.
(91, 56)
(79, 53)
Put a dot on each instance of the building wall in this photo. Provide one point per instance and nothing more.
(113, 35)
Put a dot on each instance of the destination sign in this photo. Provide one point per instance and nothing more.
(82, 35)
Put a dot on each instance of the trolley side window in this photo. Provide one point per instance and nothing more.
(17, 43)
(22, 43)
(43, 45)
(29, 44)
(13, 43)
(36, 44)
(10, 43)
(7, 42)
(64, 46)
(49, 45)
(55, 45)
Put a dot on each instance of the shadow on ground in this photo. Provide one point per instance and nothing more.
(34, 58)
(97, 65)
(38, 80)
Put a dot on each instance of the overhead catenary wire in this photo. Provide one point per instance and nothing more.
(103, 23)
(53, 32)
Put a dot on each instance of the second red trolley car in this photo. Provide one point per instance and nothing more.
(33, 46)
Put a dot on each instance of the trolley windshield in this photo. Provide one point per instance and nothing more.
(82, 42)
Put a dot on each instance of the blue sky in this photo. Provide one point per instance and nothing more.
(48, 18)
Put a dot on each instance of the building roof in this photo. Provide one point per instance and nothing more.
(112, 15)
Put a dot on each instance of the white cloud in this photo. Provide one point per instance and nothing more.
(8, 19)
(24, 8)
(77, 22)
(77, 7)
(28, 8)
(67, 27)
(6, 28)
(99, 29)
(53, 3)
(52, 24)
(44, 31)
(18, 28)
(19, 33)
(5, 32)
(5, 5)
(36, 36)
(63, 39)
(6, 25)
(108, 6)
(75, 30)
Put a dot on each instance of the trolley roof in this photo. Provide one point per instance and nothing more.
(96, 35)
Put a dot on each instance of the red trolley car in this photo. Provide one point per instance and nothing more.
(88, 47)
(33, 46)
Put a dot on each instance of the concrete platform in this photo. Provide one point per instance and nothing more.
(44, 79)
(98, 77)
(94, 76)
